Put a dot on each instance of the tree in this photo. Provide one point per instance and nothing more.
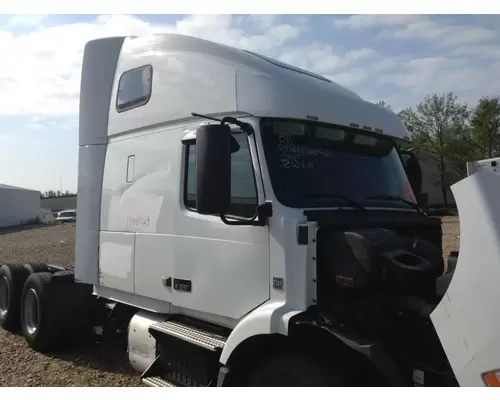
(383, 104)
(460, 149)
(436, 126)
(59, 193)
(485, 123)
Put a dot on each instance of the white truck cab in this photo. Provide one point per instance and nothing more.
(245, 222)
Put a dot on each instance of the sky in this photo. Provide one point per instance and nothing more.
(396, 58)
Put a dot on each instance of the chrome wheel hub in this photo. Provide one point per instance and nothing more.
(4, 296)
(31, 311)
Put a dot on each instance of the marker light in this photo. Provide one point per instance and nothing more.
(492, 378)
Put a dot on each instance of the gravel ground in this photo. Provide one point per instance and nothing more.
(93, 364)
(43, 244)
(451, 232)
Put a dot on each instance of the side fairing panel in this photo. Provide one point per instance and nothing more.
(90, 169)
(98, 71)
(99, 64)
(116, 260)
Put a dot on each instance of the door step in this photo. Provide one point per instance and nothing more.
(187, 354)
(190, 334)
(156, 381)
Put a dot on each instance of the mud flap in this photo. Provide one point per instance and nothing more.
(467, 320)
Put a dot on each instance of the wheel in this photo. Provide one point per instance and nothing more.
(39, 311)
(295, 370)
(54, 309)
(12, 278)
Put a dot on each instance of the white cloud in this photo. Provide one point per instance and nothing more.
(353, 77)
(415, 78)
(367, 21)
(420, 27)
(43, 77)
(40, 80)
(262, 21)
(43, 73)
(342, 66)
(451, 56)
(26, 20)
(444, 35)
(36, 122)
(385, 64)
(480, 52)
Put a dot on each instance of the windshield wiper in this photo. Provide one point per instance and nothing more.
(348, 201)
(397, 198)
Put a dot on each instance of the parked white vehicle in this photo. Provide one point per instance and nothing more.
(66, 216)
(246, 222)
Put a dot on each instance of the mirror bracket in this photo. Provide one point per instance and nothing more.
(246, 127)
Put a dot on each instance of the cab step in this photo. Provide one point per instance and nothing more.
(190, 334)
(154, 376)
(156, 381)
(188, 353)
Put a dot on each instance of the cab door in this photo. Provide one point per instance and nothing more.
(223, 269)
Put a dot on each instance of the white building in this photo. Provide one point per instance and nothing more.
(18, 206)
(59, 203)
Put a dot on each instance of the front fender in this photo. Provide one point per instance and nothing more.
(467, 320)
(270, 318)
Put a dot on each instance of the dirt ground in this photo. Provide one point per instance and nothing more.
(451, 235)
(93, 364)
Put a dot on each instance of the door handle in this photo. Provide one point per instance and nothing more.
(167, 282)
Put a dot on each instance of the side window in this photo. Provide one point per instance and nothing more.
(243, 188)
(134, 88)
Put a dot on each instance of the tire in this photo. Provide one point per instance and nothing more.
(33, 268)
(66, 276)
(39, 312)
(12, 278)
(55, 310)
(294, 370)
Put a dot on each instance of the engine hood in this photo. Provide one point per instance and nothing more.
(467, 320)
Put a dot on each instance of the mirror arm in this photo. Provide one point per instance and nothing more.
(243, 125)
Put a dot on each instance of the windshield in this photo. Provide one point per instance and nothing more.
(320, 165)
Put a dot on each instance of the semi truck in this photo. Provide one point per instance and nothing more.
(244, 222)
